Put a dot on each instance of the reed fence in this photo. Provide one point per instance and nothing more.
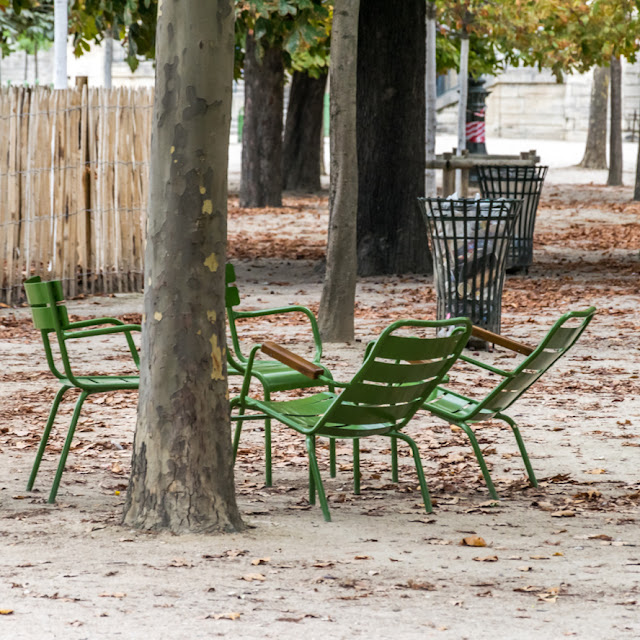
(73, 188)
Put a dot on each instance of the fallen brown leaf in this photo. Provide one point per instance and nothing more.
(473, 541)
(231, 615)
(420, 586)
(251, 577)
(487, 559)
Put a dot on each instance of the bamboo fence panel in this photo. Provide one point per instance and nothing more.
(73, 188)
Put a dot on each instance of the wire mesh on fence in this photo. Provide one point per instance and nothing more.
(73, 187)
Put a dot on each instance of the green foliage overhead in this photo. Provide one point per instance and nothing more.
(561, 35)
(28, 28)
(301, 28)
(132, 21)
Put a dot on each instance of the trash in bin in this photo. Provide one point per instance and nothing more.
(519, 183)
(469, 240)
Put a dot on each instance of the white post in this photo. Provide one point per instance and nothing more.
(61, 30)
(463, 81)
(108, 61)
(430, 81)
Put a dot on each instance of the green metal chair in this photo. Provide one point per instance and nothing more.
(50, 316)
(398, 375)
(274, 376)
(463, 411)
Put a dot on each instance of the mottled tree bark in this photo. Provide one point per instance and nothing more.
(336, 314)
(392, 237)
(302, 133)
(261, 178)
(595, 153)
(182, 465)
(614, 178)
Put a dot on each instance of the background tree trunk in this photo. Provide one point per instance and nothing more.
(336, 314)
(595, 153)
(261, 179)
(391, 137)
(182, 465)
(60, 30)
(614, 178)
(431, 91)
(636, 189)
(303, 129)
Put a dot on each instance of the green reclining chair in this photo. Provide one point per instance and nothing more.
(463, 411)
(272, 375)
(50, 316)
(399, 373)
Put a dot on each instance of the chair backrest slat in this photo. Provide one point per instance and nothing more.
(44, 320)
(352, 414)
(411, 348)
(391, 372)
(376, 394)
(555, 344)
(232, 296)
(409, 367)
(44, 299)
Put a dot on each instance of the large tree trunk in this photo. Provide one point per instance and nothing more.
(391, 137)
(261, 179)
(336, 314)
(182, 466)
(431, 90)
(614, 178)
(303, 129)
(61, 30)
(595, 153)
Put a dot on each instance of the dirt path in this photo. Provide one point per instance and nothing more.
(560, 561)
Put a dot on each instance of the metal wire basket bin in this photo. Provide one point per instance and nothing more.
(520, 183)
(469, 241)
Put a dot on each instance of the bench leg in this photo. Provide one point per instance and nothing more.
(67, 446)
(45, 436)
(480, 458)
(317, 480)
(523, 451)
(420, 471)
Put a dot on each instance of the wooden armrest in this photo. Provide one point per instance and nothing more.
(501, 341)
(292, 360)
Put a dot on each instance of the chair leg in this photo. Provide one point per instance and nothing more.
(356, 466)
(45, 436)
(332, 457)
(480, 458)
(67, 446)
(237, 432)
(419, 470)
(523, 451)
(315, 471)
(268, 479)
(394, 459)
(312, 480)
